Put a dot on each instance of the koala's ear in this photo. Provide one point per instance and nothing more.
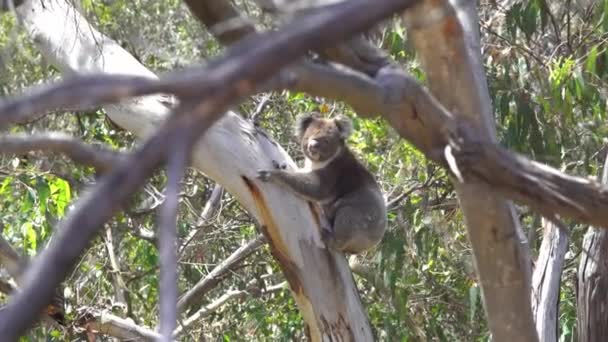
(345, 126)
(303, 121)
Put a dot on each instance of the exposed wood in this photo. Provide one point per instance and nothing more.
(546, 280)
(105, 323)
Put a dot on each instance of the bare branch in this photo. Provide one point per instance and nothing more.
(230, 295)
(210, 209)
(100, 158)
(104, 322)
(119, 283)
(213, 278)
(259, 109)
(76, 91)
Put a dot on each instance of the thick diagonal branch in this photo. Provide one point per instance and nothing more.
(100, 158)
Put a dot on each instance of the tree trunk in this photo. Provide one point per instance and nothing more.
(454, 70)
(230, 153)
(592, 290)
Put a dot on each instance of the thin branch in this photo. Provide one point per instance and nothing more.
(223, 299)
(100, 158)
(104, 322)
(259, 109)
(119, 283)
(213, 278)
(210, 209)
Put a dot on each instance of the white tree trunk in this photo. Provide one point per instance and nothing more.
(230, 153)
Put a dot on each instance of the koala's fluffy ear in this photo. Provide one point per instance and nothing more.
(345, 126)
(303, 121)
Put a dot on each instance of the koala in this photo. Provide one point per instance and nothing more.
(332, 177)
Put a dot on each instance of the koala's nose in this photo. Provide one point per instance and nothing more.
(313, 146)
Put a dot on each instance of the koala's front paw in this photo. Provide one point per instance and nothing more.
(279, 166)
(327, 235)
(264, 175)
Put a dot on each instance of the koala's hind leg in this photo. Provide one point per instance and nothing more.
(355, 231)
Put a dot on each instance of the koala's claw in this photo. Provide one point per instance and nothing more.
(326, 234)
(279, 166)
(264, 175)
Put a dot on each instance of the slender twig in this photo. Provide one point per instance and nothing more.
(210, 209)
(198, 291)
(119, 283)
(223, 299)
(259, 109)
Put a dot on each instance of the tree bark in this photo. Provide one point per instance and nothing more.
(230, 153)
(592, 289)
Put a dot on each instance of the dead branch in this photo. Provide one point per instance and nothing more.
(228, 296)
(104, 322)
(117, 279)
(102, 159)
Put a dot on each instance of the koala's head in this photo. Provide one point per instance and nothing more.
(320, 138)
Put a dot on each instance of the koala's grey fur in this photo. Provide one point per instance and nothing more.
(348, 193)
